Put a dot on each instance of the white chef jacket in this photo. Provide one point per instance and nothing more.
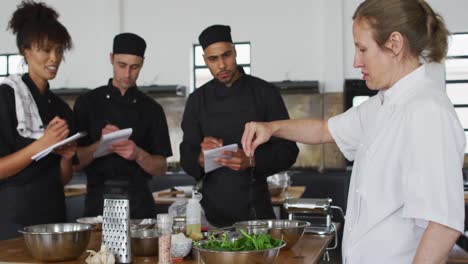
(408, 146)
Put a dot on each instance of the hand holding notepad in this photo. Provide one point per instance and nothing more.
(108, 140)
(212, 154)
(48, 150)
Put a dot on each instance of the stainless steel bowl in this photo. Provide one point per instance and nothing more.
(147, 223)
(144, 242)
(57, 242)
(291, 231)
(265, 256)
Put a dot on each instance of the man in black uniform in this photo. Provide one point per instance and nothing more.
(120, 105)
(215, 115)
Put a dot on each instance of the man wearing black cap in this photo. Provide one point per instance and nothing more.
(120, 105)
(215, 115)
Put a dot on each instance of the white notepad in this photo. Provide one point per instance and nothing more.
(48, 150)
(109, 139)
(212, 154)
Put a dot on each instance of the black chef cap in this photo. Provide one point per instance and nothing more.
(213, 34)
(129, 43)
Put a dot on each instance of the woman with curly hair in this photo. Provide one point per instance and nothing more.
(32, 119)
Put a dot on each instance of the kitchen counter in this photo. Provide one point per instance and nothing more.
(292, 192)
(308, 250)
(72, 190)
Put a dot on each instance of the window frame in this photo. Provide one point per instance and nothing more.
(459, 80)
(7, 56)
(197, 67)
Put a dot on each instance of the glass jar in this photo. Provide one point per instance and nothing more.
(164, 222)
(179, 225)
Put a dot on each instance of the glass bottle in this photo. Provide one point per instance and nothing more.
(193, 217)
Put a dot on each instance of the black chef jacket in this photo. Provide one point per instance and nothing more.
(35, 194)
(105, 105)
(222, 112)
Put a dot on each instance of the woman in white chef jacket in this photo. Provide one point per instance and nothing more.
(405, 202)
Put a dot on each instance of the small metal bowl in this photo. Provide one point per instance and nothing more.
(57, 242)
(144, 242)
(146, 223)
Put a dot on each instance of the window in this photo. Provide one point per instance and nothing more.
(456, 75)
(201, 73)
(11, 64)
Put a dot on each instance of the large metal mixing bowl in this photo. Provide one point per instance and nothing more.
(290, 231)
(57, 242)
(144, 242)
(266, 256)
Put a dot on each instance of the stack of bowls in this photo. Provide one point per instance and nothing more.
(57, 242)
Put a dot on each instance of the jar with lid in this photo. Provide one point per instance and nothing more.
(164, 222)
(179, 225)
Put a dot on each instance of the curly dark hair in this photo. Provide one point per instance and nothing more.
(37, 24)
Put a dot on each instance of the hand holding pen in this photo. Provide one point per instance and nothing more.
(56, 130)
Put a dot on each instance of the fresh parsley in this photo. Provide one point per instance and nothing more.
(245, 243)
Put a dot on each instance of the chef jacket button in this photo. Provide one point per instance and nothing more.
(49, 101)
(107, 96)
(134, 101)
(357, 190)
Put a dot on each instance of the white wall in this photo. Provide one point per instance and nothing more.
(295, 40)
(453, 11)
(284, 46)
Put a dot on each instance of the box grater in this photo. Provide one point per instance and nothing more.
(116, 229)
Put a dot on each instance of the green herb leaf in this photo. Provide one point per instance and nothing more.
(245, 243)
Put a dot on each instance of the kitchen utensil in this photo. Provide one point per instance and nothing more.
(116, 229)
(57, 242)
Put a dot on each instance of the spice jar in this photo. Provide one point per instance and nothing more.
(179, 225)
(164, 222)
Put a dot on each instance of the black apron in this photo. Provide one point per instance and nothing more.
(125, 112)
(35, 194)
(39, 199)
(230, 196)
(142, 203)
